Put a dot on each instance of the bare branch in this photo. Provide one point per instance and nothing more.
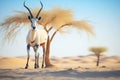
(45, 25)
(45, 28)
(57, 31)
(50, 29)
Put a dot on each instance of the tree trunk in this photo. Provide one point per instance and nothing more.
(98, 59)
(47, 54)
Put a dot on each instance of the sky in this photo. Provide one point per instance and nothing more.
(103, 15)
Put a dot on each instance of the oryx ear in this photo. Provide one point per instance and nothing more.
(29, 17)
(39, 18)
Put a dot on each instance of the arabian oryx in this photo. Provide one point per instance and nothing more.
(35, 38)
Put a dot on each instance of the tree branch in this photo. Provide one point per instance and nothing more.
(48, 23)
(53, 35)
(57, 31)
(45, 29)
(50, 29)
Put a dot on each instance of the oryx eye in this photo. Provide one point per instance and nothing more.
(39, 18)
(29, 17)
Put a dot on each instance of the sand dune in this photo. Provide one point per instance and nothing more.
(66, 68)
(65, 62)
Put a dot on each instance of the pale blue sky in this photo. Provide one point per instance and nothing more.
(103, 15)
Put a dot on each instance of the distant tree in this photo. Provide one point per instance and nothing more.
(97, 51)
(53, 21)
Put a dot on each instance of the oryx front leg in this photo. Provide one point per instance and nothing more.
(28, 55)
(36, 65)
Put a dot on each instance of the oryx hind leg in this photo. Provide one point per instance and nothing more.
(43, 61)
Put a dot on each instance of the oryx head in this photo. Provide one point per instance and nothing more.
(33, 19)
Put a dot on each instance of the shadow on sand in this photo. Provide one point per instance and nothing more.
(71, 73)
(87, 74)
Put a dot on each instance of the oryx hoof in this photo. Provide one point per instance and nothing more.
(42, 66)
(36, 66)
(26, 67)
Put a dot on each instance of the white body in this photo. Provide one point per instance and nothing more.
(36, 37)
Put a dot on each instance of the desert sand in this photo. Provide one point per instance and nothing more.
(66, 68)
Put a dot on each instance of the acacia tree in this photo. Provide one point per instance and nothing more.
(97, 51)
(55, 20)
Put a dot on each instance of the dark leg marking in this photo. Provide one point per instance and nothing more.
(36, 65)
